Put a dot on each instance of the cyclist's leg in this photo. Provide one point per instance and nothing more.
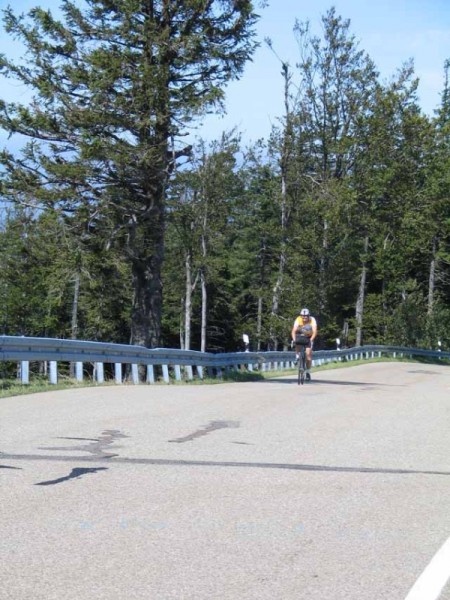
(308, 357)
(308, 363)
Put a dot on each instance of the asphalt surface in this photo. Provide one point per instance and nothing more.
(338, 489)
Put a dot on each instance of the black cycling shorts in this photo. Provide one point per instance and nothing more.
(302, 340)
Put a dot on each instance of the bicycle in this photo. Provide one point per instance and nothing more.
(302, 341)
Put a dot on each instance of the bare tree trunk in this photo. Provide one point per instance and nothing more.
(146, 247)
(182, 317)
(276, 296)
(360, 300)
(432, 278)
(188, 302)
(323, 269)
(259, 324)
(281, 263)
(74, 325)
(262, 284)
(204, 246)
(345, 334)
(285, 158)
(383, 292)
(76, 296)
(204, 310)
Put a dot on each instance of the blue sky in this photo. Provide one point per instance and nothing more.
(390, 31)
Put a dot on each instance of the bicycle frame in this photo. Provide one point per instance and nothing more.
(302, 365)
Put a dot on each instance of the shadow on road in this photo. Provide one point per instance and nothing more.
(314, 381)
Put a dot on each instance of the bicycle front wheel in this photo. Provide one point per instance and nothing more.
(301, 367)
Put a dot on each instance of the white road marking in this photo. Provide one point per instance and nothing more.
(432, 581)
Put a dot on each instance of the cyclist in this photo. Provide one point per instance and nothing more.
(305, 324)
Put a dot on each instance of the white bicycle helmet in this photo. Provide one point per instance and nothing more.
(304, 312)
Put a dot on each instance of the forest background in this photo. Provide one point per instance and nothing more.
(116, 230)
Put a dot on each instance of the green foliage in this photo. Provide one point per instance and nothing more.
(42, 258)
(116, 85)
(345, 209)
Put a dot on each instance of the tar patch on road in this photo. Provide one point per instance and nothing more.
(212, 426)
(74, 474)
(96, 447)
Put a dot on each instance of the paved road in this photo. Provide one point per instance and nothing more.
(339, 489)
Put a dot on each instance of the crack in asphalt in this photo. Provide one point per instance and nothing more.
(212, 463)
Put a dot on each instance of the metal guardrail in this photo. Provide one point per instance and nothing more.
(24, 350)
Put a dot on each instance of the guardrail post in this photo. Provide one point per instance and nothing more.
(250, 367)
(53, 368)
(150, 374)
(79, 371)
(165, 370)
(135, 374)
(118, 373)
(177, 372)
(200, 371)
(190, 374)
(99, 373)
(24, 372)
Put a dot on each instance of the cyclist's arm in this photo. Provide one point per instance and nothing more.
(314, 328)
(294, 331)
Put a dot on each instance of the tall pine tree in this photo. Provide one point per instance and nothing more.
(115, 84)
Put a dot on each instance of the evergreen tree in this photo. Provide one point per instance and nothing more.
(202, 205)
(115, 84)
(337, 81)
(253, 250)
(389, 178)
(54, 285)
(434, 223)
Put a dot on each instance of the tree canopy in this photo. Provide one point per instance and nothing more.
(344, 209)
(115, 85)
